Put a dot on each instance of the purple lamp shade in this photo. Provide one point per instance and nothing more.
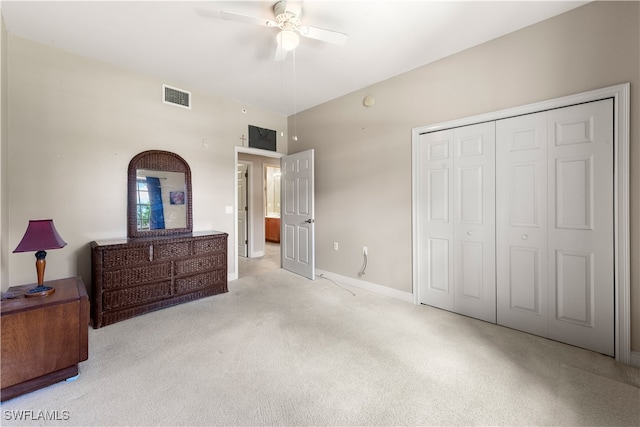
(41, 234)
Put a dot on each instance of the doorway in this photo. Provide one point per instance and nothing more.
(261, 255)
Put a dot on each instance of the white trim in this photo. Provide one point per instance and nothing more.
(249, 165)
(256, 152)
(256, 254)
(635, 359)
(367, 286)
(620, 94)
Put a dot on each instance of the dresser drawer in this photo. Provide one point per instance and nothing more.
(171, 250)
(133, 276)
(135, 295)
(199, 281)
(119, 257)
(113, 279)
(194, 265)
(210, 245)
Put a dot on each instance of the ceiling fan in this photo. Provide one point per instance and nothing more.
(287, 19)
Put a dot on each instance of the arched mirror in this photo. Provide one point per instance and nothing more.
(159, 195)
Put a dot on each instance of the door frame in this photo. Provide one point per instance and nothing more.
(255, 152)
(249, 224)
(622, 275)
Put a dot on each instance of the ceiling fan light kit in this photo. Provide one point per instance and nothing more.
(287, 19)
(287, 40)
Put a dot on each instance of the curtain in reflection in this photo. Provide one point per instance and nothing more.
(156, 221)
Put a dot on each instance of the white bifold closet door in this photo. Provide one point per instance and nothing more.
(457, 229)
(554, 194)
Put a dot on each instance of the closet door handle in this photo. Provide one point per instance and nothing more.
(524, 237)
(469, 233)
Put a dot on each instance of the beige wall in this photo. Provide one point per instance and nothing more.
(4, 155)
(75, 124)
(363, 155)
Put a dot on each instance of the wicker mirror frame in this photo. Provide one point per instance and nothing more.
(160, 161)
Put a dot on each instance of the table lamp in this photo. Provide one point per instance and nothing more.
(41, 234)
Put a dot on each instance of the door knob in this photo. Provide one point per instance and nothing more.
(524, 237)
(309, 221)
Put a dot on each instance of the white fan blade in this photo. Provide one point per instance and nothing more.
(231, 16)
(281, 54)
(323, 35)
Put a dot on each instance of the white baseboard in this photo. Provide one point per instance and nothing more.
(635, 359)
(256, 254)
(232, 276)
(367, 286)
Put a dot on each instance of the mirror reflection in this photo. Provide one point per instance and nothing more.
(272, 201)
(161, 200)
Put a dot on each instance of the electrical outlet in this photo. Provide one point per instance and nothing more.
(335, 246)
(364, 250)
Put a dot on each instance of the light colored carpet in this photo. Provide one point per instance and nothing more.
(279, 349)
(252, 266)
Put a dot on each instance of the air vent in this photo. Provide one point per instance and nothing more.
(175, 96)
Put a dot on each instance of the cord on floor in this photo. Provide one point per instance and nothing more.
(364, 265)
(336, 283)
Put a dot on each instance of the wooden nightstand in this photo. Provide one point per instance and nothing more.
(43, 338)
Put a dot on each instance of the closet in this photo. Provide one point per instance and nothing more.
(516, 222)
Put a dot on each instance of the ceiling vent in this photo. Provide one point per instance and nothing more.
(175, 96)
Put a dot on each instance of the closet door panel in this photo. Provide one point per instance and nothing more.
(524, 280)
(581, 298)
(474, 225)
(470, 260)
(438, 262)
(521, 222)
(435, 225)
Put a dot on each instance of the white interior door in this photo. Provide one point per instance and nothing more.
(555, 224)
(474, 225)
(457, 233)
(521, 223)
(297, 201)
(243, 210)
(581, 226)
(435, 225)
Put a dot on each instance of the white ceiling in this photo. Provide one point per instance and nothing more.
(188, 45)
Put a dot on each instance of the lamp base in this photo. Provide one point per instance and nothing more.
(40, 291)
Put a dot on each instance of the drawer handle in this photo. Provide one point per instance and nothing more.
(524, 237)
(150, 252)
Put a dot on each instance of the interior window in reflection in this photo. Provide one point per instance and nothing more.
(144, 206)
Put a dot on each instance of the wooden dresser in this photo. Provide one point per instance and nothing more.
(138, 275)
(43, 337)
